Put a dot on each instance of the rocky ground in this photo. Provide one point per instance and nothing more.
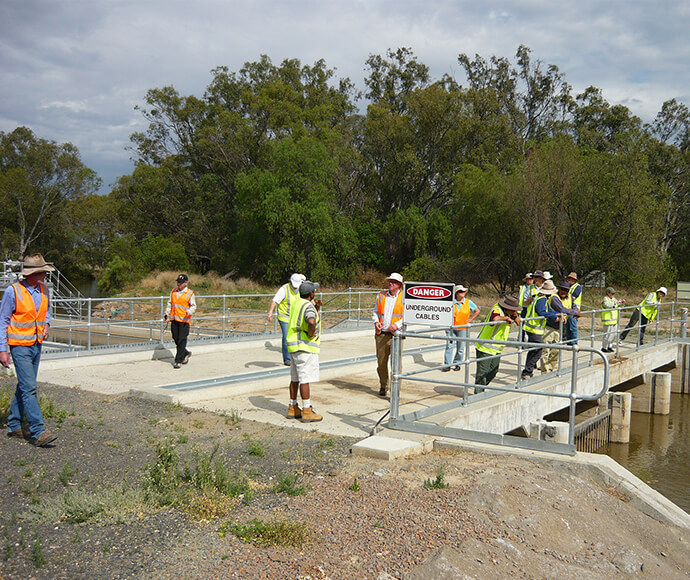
(108, 502)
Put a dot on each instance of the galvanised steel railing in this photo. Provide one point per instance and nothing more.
(672, 320)
(81, 323)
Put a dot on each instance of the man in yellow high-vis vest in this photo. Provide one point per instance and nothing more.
(646, 312)
(304, 344)
(24, 325)
(283, 299)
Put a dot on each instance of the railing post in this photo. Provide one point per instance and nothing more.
(88, 324)
(161, 314)
(396, 367)
(591, 337)
(573, 397)
(683, 322)
(224, 313)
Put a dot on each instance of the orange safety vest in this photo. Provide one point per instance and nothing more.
(461, 312)
(397, 309)
(179, 306)
(26, 325)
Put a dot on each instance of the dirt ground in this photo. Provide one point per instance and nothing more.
(76, 510)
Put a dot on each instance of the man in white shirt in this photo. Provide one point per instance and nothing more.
(387, 317)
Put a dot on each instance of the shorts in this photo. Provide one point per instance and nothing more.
(304, 367)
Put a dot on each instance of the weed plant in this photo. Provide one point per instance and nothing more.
(355, 485)
(437, 483)
(275, 533)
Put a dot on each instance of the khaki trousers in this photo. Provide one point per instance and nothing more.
(549, 360)
(383, 353)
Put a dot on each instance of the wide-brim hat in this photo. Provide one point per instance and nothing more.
(35, 263)
(572, 275)
(296, 279)
(528, 276)
(548, 288)
(510, 303)
(460, 288)
(663, 289)
(395, 276)
(538, 274)
(564, 284)
(548, 275)
(610, 290)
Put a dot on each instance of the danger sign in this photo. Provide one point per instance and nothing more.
(428, 303)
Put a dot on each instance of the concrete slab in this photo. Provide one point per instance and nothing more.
(389, 448)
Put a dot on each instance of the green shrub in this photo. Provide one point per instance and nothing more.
(276, 533)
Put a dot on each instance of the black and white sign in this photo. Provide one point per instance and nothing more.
(428, 303)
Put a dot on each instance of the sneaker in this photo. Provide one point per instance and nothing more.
(457, 368)
(294, 412)
(185, 360)
(176, 365)
(44, 439)
(526, 376)
(16, 433)
(308, 415)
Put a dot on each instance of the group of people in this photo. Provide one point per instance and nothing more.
(25, 322)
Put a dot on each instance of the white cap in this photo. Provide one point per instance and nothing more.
(663, 289)
(395, 276)
(297, 279)
(547, 275)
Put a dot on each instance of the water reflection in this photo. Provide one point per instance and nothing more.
(659, 449)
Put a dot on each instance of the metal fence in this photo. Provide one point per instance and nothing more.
(89, 323)
(670, 323)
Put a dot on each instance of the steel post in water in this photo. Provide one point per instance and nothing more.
(396, 369)
(88, 334)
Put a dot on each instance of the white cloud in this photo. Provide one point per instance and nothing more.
(73, 70)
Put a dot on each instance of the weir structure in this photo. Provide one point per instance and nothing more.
(513, 406)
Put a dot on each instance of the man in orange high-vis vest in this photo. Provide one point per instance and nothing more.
(464, 312)
(387, 317)
(180, 309)
(24, 324)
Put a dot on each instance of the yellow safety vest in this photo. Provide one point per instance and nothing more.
(576, 301)
(535, 326)
(649, 312)
(609, 316)
(297, 337)
(499, 331)
(284, 306)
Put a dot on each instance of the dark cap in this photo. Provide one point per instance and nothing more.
(564, 284)
(307, 287)
(182, 278)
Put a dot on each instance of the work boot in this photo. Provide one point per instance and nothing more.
(308, 415)
(44, 439)
(16, 433)
(185, 360)
(383, 391)
(176, 365)
(294, 412)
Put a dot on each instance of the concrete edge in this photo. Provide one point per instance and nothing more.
(601, 468)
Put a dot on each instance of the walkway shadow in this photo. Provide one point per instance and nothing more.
(263, 364)
(349, 385)
(268, 404)
(161, 353)
(418, 359)
(268, 345)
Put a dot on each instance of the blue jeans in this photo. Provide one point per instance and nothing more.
(460, 349)
(25, 401)
(571, 330)
(284, 329)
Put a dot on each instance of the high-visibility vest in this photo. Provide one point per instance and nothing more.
(649, 312)
(461, 312)
(609, 316)
(179, 306)
(535, 326)
(498, 331)
(297, 337)
(284, 306)
(576, 301)
(397, 316)
(523, 293)
(26, 325)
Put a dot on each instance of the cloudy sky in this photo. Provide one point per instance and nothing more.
(73, 70)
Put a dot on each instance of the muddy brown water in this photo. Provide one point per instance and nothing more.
(659, 449)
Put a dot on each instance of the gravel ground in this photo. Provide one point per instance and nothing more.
(362, 518)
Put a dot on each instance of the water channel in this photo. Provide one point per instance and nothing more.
(659, 449)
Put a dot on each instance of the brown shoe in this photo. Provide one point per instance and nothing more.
(16, 433)
(308, 415)
(294, 412)
(383, 391)
(44, 439)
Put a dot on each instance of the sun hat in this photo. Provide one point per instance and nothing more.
(610, 290)
(460, 288)
(307, 287)
(510, 303)
(572, 275)
(663, 289)
(564, 284)
(538, 274)
(296, 279)
(395, 276)
(548, 275)
(528, 276)
(548, 288)
(35, 263)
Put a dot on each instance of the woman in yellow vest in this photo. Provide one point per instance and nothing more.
(645, 312)
(609, 319)
(503, 315)
(464, 312)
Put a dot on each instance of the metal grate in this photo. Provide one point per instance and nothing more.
(594, 433)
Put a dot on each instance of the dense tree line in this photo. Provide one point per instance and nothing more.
(278, 168)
